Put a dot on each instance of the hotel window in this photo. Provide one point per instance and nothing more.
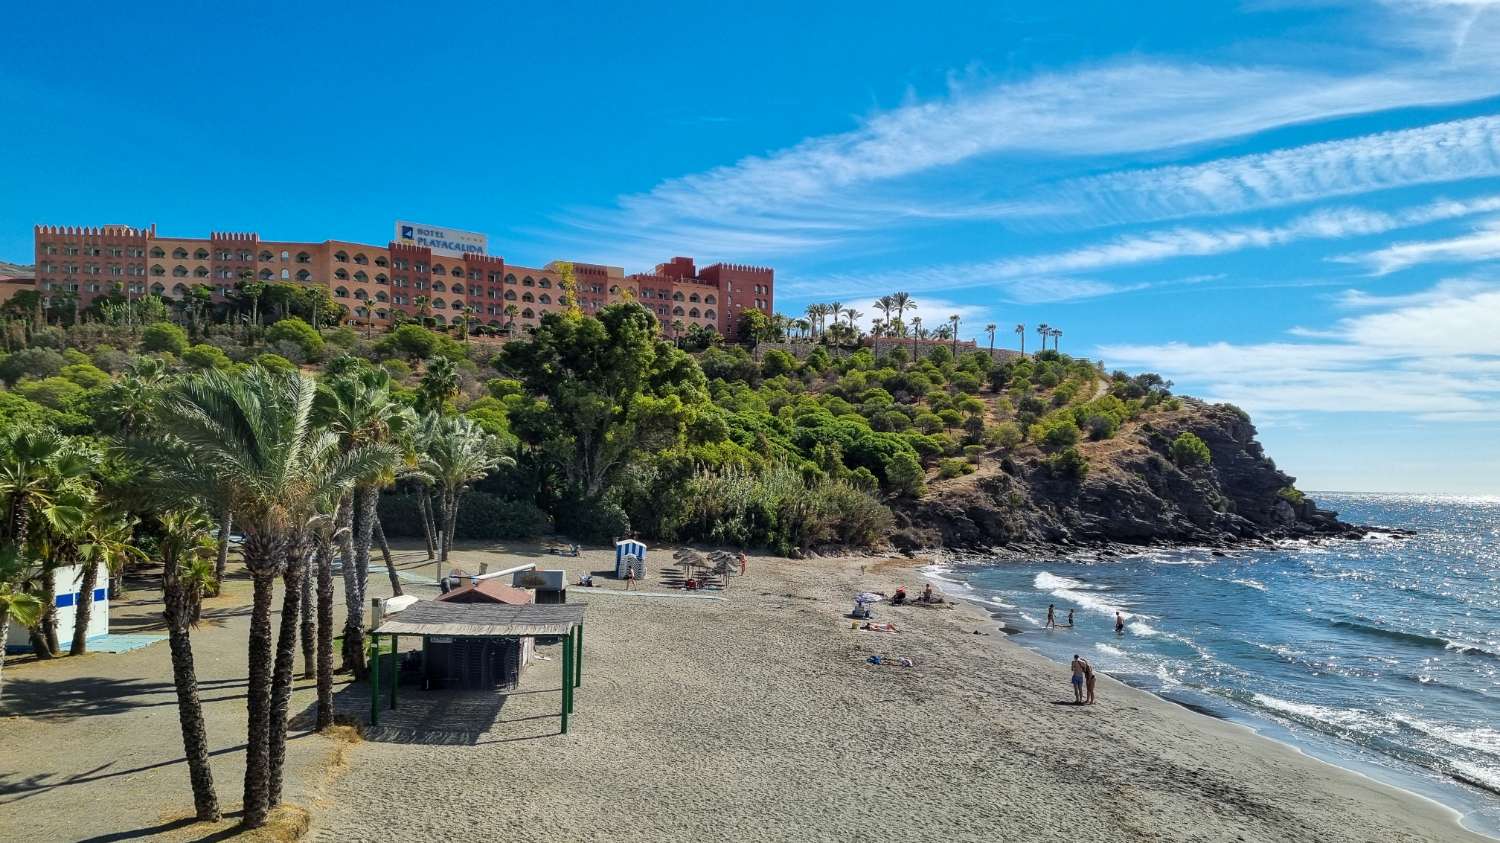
(380, 278)
(265, 274)
(201, 254)
(709, 300)
(341, 256)
(155, 252)
(439, 287)
(439, 269)
(458, 288)
(157, 270)
(545, 299)
(341, 274)
(528, 282)
(71, 250)
(303, 257)
(179, 272)
(510, 295)
(179, 254)
(510, 279)
(361, 295)
(420, 267)
(708, 314)
(380, 295)
(360, 276)
(359, 258)
(304, 275)
(286, 274)
(285, 254)
(527, 314)
(527, 297)
(380, 260)
(265, 256)
(340, 293)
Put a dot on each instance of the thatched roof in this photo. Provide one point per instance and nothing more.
(429, 617)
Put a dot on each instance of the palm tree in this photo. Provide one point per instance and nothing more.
(851, 314)
(108, 540)
(15, 604)
(990, 329)
(1056, 334)
(814, 312)
(1043, 330)
(361, 412)
(885, 306)
(802, 326)
(1021, 332)
(511, 312)
(424, 309)
(916, 333)
(902, 302)
(185, 547)
(454, 453)
(247, 443)
(439, 383)
(953, 319)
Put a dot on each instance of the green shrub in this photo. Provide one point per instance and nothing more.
(592, 521)
(203, 356)
(55, 392)
(295, 331)
(1292, 495)
(36, 363)
(973, 452)
(1056, 432)
(1188, 451)
(86, 375)
(1068, 463)
(1005, 435)
(399, 370)
(777, 362)
(481, 517)
(953, 467)
(164, 336)
(276, 363)
(343, 337)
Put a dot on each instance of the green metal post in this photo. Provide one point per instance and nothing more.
(395, 666)
(567, 669)
(578, 658)
(375, 680)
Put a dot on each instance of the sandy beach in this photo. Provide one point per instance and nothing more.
(757, 717)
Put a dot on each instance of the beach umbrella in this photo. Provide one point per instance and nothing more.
(688, 559)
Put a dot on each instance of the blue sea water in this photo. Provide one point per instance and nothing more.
(1382, 655)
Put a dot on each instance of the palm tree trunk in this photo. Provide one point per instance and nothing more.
(424, 504)
(221, 564)
(258, 696)
(385, 553)
(4, 636)
(325, 635)
(85, 608)
(286, 664)
(354, 599)
(189, 707)
(44, 634)
(309, 645)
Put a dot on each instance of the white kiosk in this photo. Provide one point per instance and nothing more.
(66, 583)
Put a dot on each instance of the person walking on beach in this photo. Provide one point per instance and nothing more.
(1119, 624)
(1077, 667)
(1052, 616)
(744, 562)
(629, 577)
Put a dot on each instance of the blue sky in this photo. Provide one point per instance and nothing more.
(1294, 206)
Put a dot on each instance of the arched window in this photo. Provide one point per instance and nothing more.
(361, 312)
(440, 319)
(526, 296)
(361, 295)
(693, 298)
(437, 269)
(179, 271)
(510, 279)
(381, 261)
(303, 257)
(360, 276)
(157, 270)
(266, 255)
(544, 283)
(614, 289)
(527, 314)
(265, 274)
(693, 313)
(156, 252)
(380, 295)
(341, 274)
(545, 299)
(341, 256)
(179, 253)
(439, 303)
(285, 254)
(340, 293)
(380, 278)
(157, 289)
(709, 299)
(457, 288)
(201, 254)
(456, 304)
(709, 314)
(528, 282)
(677, 296)
(359, 258)
(304, 275)
(380, 314)
(677, 311)
(510, 295)
(286, 274)
(179, 290)
(439, 287)
(201, 272)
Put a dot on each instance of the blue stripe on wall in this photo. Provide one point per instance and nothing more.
(64, 601)
(101, 595)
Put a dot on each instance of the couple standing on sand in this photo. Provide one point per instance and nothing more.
(1083, 679)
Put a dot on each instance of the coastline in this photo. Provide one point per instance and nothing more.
(758, 717)
(1316, 749)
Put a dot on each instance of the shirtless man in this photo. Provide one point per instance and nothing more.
(1052, 614)
(1078, 666)
(1119, 624)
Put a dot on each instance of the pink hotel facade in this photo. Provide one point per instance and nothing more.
(375, 282)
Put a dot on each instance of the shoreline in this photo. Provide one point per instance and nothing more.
(1252, 724)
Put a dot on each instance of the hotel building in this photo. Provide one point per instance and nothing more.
(375, 282)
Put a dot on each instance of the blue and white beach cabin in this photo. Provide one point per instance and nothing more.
(66, 581)
(630, 555)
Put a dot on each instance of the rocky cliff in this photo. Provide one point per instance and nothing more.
(1133, 493)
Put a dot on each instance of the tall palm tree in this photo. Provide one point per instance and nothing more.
(439, 383)
(360, 411)
(511, 312)
(15, 604)
(814, 312)
(185, 541)
(885, 306)
(1021, 332)
(902, 302)
(916, 334)
(851, 314)
(454, 453)
(247, 443)
(990, 329)
(953, 320)
(1056, 334)
(108, 540)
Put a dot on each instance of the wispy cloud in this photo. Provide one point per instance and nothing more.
(1434, 355)
(1443, 152)
(1480, 245)
(1032, 275)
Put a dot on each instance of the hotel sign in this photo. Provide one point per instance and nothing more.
(442, 241)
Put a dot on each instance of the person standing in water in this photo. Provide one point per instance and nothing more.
(1119, 624)
(1051, 615)
(1077, 667)
(1070, 617)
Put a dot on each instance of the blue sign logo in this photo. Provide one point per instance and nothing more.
(406, 232)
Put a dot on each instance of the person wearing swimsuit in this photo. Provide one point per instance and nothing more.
(1088, 681)
(1119, 624)
(1051, 614)
(1077, 667)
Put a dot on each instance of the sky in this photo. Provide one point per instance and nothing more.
(1292, 206)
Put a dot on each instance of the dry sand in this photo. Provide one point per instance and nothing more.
(757, 718)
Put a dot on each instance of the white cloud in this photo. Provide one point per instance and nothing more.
(1026, 278)
(1482, 244)
(1461, 149)
(1435, 355)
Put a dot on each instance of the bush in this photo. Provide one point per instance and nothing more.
(953, 467)
(86, 375)
(1069, 463)
(1056, 432)
(1005, 435)
(777, 362)
(296, 332)
(110, 359)
(55, 392)
(592, 521)
(399, 370)
(1292, 495)
(164, 336)
(204, 356)
(481, 517)
(343, 336)
(1189, 451)
(276, 363)
(36, 363)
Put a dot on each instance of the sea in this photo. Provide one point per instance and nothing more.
(1381, 655)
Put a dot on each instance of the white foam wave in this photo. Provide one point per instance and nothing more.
(1113, 651)
(1029, 619)
(1049, 582)
(1140, 628)
(1481, 739)
(1249, 583)
(998, 602)
(1490, 778)
(1344, 718)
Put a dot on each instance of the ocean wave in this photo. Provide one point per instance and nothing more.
(1113, 651)
(1485, 777)
(1047, 582)
(1431, 640)
(1352, 719)
(1140, 628)
(1001, 603)
(1482, 739)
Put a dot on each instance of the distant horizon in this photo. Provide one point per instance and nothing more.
(1291, 206)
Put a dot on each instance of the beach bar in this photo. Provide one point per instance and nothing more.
(480, 628)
